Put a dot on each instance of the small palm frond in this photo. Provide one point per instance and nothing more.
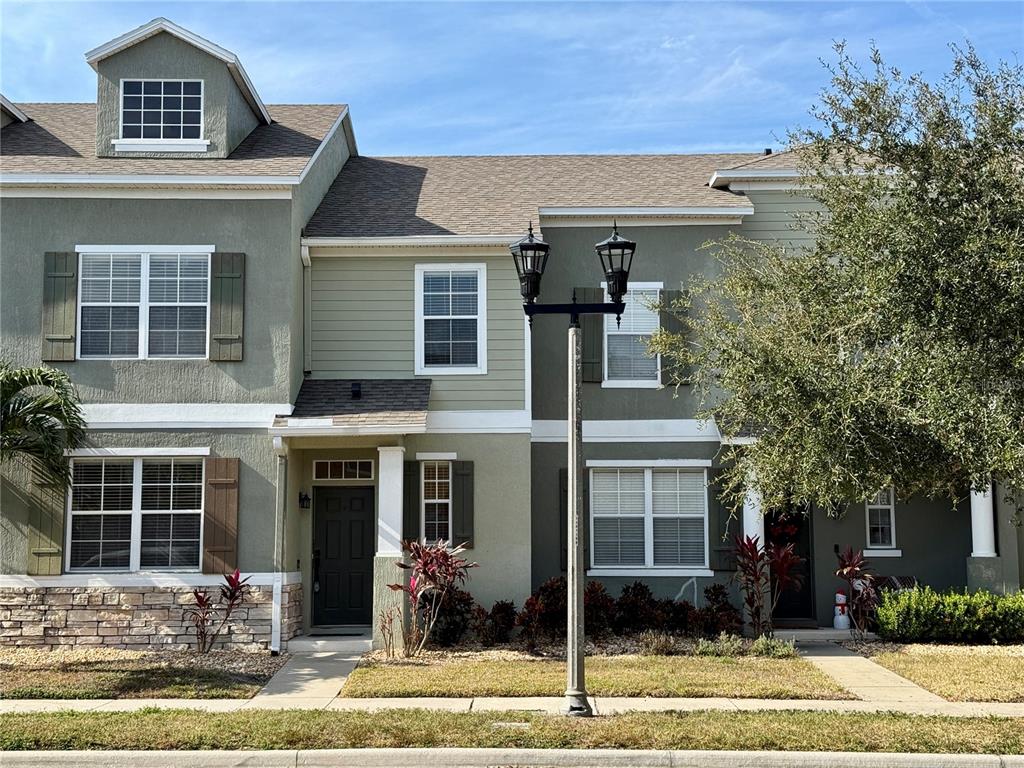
(40, 419)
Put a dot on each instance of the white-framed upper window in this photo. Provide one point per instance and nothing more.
(627, 361)
(161, 115)
(135, 514)
(348, 469)
(881, 520)
(150, 304)
(451, 319)
(648, 517)
(436, 500)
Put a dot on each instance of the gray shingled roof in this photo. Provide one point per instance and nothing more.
(395, 196)
(61, 138)
(383, 402)
(786, 160)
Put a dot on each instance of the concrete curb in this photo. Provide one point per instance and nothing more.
(484, 758)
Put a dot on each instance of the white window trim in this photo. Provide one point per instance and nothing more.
(370, 479)
(421, 369)
(649, 568)
(144, 252)
(423, 500)
(135, 557)
(627, 383)
(122, 144)
(877, 549)
(437, 456)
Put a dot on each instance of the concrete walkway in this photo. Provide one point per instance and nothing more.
(864, 678)
(306, 681)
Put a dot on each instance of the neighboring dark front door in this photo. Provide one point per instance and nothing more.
(796, 606)
(342, 555)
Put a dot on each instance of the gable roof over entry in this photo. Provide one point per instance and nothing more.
(160, 24)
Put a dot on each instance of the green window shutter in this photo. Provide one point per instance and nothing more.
(721, 528)
(411, 501)
(227, 302)
(593, 335)
(462, 503)
(671, 373)
(43, 506)
(220, 516)
(60, 306)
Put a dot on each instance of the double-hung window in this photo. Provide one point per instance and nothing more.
(161, 115)
(131, 514)
(451, 324)
(627, 361)
(147, 304)
(436, 487)
(881, 520)
(648, 517)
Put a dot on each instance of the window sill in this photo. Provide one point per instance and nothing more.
(161, 145)
(443, 371)
(651, 572)
(631, 385)
(883, 553)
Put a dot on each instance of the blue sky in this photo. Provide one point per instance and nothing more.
(529, 77)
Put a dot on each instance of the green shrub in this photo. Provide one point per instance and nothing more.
(773, 648)
(922, 615)
(724, 645)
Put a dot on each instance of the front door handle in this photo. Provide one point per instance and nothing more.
(316, 570)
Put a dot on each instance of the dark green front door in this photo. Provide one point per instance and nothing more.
(342, 555)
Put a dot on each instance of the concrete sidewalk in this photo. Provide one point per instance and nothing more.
(864, 678)
(484, 758)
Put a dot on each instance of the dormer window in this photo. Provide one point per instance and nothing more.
(161, 116)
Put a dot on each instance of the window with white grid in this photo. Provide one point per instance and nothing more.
(437, 500)
(135, 514)
(648, 517)
(161, 109)
(627, 359)
(451, 311)
(881, 519)
(143, 305)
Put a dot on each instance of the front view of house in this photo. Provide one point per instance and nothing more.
(293, 357)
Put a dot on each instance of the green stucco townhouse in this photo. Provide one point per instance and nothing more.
(292, 356)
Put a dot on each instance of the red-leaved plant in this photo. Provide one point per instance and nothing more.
(204, 613)
(436, 569)
(853, 569)
(764, 573)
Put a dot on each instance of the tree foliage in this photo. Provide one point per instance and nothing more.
(40, 419)
(890, 349)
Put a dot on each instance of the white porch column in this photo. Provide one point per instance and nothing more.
(753, 520)
(390, 500)
(983, 529)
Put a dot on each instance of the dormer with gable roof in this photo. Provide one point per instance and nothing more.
(164, 91)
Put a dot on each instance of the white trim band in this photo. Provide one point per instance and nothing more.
(630, 431)
(116, 416)
(410, 240)
(883, 553)
(201, 250)
(648, 463)
(161, 145)
(647, 573)
(138, 452)
(428, 456)
(700, 211)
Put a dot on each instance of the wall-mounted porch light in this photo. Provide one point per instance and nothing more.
(304, 500)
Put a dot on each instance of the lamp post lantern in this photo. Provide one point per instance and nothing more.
(531, 258)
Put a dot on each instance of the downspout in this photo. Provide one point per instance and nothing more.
(281, 450)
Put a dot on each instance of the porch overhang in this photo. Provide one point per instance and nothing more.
(326, 407)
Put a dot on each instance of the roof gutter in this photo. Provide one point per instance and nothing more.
(721, 179)
(653, 211)
(411, 240)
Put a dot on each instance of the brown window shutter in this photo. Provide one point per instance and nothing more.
(462, 503)
(411, 501)
(60, 306)
(671, 373)
(227, 304)
(220, 516)
(593, 335)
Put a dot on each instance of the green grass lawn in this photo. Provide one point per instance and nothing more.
(117, 674)
(686, 676)
(961, 673)
(321, 729)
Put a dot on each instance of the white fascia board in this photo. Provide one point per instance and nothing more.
(154, 579)
(411, 240)
(187, 249)
(153, 193)
(161, 24)
(630, 431)
(723, 178)
(118, 416)
(298, 428)
(700, 211)
(13, 109)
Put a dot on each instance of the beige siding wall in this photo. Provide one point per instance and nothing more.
(775, 216)
(363, 326)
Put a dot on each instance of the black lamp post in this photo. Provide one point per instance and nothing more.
(531, 258)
